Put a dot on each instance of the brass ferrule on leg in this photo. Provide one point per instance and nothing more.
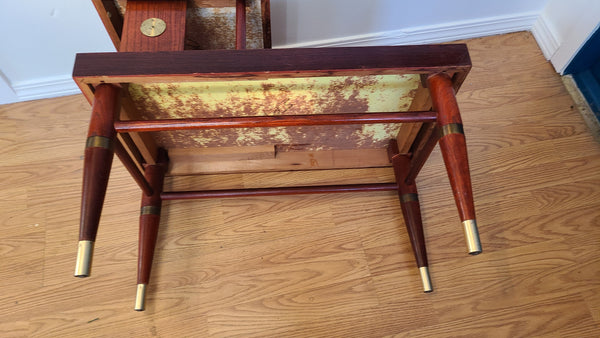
(140, 297)
(84, 258)
(472, 236)
(424, 271)
(99, 141)
(451, 128)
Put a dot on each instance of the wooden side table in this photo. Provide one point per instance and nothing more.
(167, 109)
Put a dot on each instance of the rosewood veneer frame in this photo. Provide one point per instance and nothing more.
(104, 77)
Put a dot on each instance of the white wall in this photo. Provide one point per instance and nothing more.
(40, 37)
(563, 27)
(336, 22)
(38, 45)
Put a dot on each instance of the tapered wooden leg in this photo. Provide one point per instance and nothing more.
(454, 151)
(409, 201)
(149, 221)
(96, 170)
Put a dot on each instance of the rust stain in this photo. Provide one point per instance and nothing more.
(214, 28)
(290, 96)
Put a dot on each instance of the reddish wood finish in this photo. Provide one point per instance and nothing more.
(149, 222)
(272, 121)
(453, 146)
(173, 13)
(265, 6)
(196, 65)
(111, 18)
(104, 111)
(411, 209)
(132, 168)
(240, 24)
(327, 189)
(116, 19)
(97, 161)
(421, 148)
(134, 152)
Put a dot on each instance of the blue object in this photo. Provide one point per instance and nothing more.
(585, 68)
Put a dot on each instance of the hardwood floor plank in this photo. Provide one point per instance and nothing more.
(293, 309)
(227, 288)
(543, 317)
(584, 168)
(14, 329)
(568, 196)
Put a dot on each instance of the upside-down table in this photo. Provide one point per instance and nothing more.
(183, 96)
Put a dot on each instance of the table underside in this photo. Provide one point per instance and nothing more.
(230, 84)
(273, 97)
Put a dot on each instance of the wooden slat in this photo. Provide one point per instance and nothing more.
(265, 8)
(240, 24)
(262, 192)
(274, 121)
(203, 161)
(111, 19)
(269, 63)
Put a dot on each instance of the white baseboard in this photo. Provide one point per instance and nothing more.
(446, 32)
(545, 37)
(45, 88)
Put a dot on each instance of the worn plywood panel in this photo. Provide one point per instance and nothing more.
(257, 159)
(282, 96)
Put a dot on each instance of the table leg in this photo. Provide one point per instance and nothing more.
(96, 170)
(454, 151)
(411, 210)
(149, 222)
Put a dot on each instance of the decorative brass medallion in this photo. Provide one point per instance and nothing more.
(153, 27)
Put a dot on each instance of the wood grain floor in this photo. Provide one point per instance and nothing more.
(322, 265)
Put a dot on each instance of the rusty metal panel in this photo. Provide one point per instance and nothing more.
(281, 96)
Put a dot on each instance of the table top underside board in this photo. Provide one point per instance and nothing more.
(229, 83)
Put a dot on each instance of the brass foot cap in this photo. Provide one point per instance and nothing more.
(424, 271)
(140, 297)
(472, 236)
(84, 258)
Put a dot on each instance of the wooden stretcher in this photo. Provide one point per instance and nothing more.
(166, 107)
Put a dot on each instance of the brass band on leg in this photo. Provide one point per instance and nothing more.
(98, 141)
(452, 128)
(140, 297)
(83, 264)
(411, 197)
(150, 210)
(472, 236)
(424, 271)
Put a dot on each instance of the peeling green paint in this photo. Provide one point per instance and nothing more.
(279, 96)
